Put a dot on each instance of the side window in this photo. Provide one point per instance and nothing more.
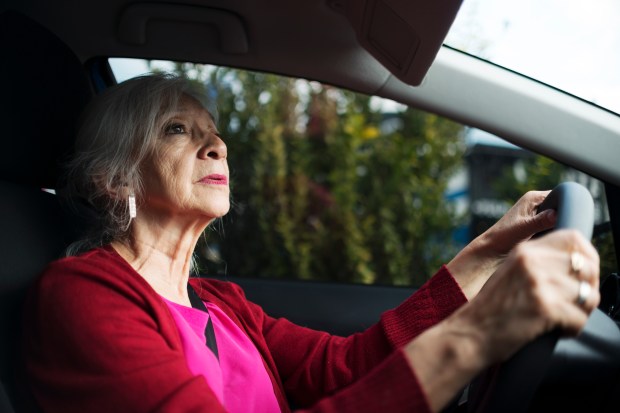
(336, 186)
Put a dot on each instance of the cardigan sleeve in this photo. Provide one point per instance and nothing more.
(362, 372)
(94, 342)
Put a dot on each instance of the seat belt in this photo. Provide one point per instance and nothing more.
(209, 332)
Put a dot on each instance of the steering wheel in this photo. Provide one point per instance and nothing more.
(510, 387)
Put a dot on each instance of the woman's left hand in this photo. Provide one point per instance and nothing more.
(473, 266)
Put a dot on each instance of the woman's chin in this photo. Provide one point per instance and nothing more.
(218, 211)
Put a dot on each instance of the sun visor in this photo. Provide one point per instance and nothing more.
(196, 22)
(404, 35)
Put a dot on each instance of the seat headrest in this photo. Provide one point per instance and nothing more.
(44, 89)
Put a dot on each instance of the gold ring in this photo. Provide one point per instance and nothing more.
(584, 292)
(576, 262)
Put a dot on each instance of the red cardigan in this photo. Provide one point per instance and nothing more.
(98, 338)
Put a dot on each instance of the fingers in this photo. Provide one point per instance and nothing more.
(572, 313)
(572, 278)
(581, 260)
(571, 319)
(579, 293)
(542, 221)
(539, 287)
(584, 268)
(532, 200)
(525, 219)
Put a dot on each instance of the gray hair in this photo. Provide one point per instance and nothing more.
(117, 133)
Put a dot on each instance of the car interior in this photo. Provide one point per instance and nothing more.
(55, 58)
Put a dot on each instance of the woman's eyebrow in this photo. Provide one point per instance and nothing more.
(176, 114)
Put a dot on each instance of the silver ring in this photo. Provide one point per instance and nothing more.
(576, 262)
(584, 292)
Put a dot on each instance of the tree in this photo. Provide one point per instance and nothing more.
(326, 185)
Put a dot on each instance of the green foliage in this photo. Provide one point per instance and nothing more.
(539, 172)
(320, 191)
(327, 187)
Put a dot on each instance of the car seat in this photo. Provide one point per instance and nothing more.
(44, 89)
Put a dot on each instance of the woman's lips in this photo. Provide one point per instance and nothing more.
(214, 179)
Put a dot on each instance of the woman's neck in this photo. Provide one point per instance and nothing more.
(162, 255)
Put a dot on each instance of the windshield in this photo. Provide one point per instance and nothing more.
(569, 44)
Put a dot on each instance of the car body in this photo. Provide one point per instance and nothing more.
(368, 47)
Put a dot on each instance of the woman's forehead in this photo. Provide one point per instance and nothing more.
(190, 106)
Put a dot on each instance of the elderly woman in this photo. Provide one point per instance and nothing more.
(120, 326)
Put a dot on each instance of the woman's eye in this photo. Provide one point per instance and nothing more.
(175, 129)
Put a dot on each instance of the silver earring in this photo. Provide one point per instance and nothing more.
(132, 206)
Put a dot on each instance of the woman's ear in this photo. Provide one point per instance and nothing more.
(114, 188)
(121, 192)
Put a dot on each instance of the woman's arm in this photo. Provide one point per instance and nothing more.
(532, 292)
(346, 360)
(314, 364)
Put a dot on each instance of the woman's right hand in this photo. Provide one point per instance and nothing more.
(534, 291)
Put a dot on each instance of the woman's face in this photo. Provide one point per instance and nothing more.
(187, 175)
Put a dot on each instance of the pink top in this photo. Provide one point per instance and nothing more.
(239, 380)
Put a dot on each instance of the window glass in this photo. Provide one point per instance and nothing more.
(332, 185)
(568, 44)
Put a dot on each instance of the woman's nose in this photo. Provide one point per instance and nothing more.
(214, 149)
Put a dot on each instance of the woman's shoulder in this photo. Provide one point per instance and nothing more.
(92, 271)
(100, 259)
(93, 258)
